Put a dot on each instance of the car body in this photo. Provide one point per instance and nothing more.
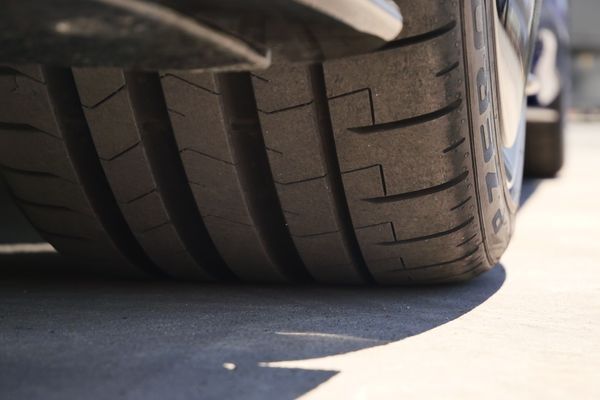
(551, 58)
(549, 91)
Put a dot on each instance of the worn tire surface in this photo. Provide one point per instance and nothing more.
(381, 168)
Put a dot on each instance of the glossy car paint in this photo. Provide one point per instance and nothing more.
(550, 66)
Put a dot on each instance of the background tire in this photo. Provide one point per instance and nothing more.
(383, 167)
(544, 144)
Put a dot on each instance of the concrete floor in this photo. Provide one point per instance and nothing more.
(530, 328)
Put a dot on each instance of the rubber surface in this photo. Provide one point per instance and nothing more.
(52, 168)
(544, 145)
(377, 168)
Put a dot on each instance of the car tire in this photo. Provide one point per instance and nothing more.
(544, 143)
(384, 167)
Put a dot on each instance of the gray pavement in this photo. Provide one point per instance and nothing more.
(530, 328)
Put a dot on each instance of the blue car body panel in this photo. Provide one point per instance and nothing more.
(554, 21)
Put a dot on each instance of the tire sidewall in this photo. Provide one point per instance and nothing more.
(497, 209)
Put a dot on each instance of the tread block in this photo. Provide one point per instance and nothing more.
(412, 158)
(196, 117)
(27, 102)
(407, 215)
(216, 193)
(122, 131)
(201, 81)
(129, 175)
(214, 132)
(308, 215)
(145, 212)
(64, 222)
(295, 142)
(327, 254)
(282, 86)
(438, 13)
(100, 87)
(114, 118)
(392, 98)
(245, 253)
(161, 241)
(15, 153)
(51, 190)
(292, 142)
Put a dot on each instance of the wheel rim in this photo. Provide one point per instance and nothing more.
(513, 159)
(512, 40)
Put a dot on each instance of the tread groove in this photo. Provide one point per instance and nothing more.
(447, 70)
(46, 205)
(462, 203)
(315, 178)
(466, 241)
(454, 145)
(83, 155)
(349, 171)
(6, 70)
(455, 276)
(150, 229)
(141, 196)
(424, 37)
(120, 153)
(167, 75)
(419, 193)
(334, 175)
(158, 141)
(310, 235)
(207, 216)
(205, 155)
(422, 267)
(37, 174)
(8, 126)
(280, 110)
(369, 93)
(260, 78)
(254, 173)
(105, 99)
(403, 123)
(62, 235)
(432, 236)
